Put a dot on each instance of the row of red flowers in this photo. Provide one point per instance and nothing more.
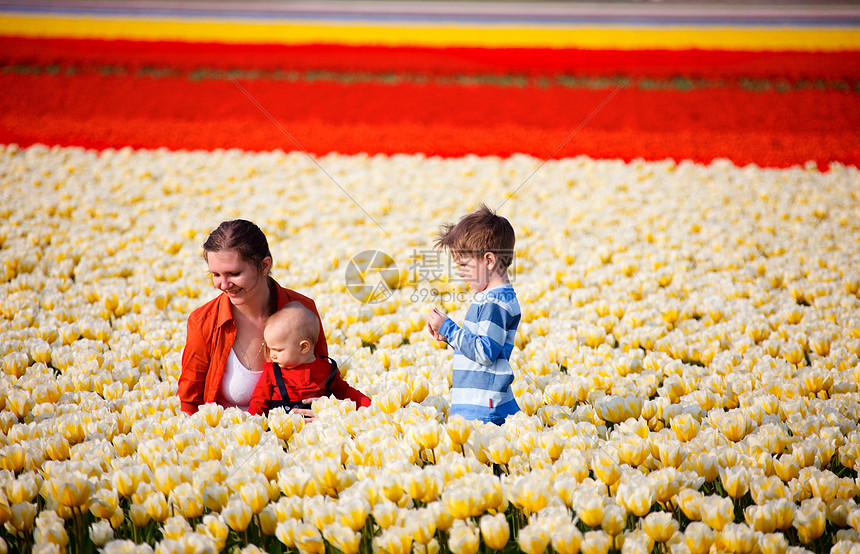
(436, 61)
(100, 111)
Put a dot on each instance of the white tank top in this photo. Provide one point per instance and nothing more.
(237, 384)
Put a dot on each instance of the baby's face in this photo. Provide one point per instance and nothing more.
(284, 347)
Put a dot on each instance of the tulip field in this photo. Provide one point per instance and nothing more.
(687, 364)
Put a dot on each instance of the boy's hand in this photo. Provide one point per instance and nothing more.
(435, 319)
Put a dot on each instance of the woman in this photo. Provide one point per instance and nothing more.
(224, 350)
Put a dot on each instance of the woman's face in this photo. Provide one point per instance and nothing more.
(239, 279)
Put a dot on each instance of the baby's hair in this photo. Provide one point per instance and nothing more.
(296, 316)
(477, 233)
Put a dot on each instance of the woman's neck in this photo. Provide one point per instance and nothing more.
(256, 307)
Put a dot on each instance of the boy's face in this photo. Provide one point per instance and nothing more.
(475, 271)
(285, 348)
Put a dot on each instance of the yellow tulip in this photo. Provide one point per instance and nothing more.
(156, 506)
(824, 485)
(786, 467)
(566, 538)
(293, 481)
(685, 426)
(660, 526)
(175, 528)
(320, 514)
(422, 525)
(385, 514)
(187, 500)
(495, 531)
(352, 512)
(810, 520)
(699, 537)
(139, 515)
(636, 495)
(23, 489)
(343, 538)
(104, 503)
(717, 511)
(595, 542)
(761, 518)
(444, 519)
(74, 490)
(255, 496)
(286, 532)
(5, 510)
(237, 515)
(605, 467)
(57, 447)
(773, 543)
(308, 539)
(614, 517)
(690, 502)
(426, 434)
(737, 537)
(499, 450)
(589, 508)
(671, 453)
(215, 496)
(22, 516)
(463, 539)
(394, 540)
(531, 493)
(707, 467)
(214, 527)
(51, 533)
(533, 539)
(459, 429)
(461, 503)
(100, 533)
(632, 450)
(735, 481)
(764, 488)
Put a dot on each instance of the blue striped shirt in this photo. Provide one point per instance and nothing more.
(482, 371)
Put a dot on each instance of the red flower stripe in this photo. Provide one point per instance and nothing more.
(432, 61)
(766, 128)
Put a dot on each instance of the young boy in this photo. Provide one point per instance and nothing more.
(482, 246)
(295, 373)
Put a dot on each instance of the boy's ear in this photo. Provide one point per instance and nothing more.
(490, 260)
(304, 346)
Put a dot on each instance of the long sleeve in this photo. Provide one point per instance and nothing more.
(486, 346)
(196, 361)
(341, 389)
(260, 400)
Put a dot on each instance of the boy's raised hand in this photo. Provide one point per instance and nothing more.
(435, 319)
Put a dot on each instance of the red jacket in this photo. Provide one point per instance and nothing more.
(304, 381)
(211, 332)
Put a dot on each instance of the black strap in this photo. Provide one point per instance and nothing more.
(334, 372)
(279, 379)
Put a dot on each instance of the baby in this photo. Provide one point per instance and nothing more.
(295, 375)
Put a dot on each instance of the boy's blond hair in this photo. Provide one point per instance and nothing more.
(477, 233)
(297, 318)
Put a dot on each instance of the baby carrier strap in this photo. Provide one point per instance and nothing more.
(279, 379)
(332, 374)
(282, 387)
